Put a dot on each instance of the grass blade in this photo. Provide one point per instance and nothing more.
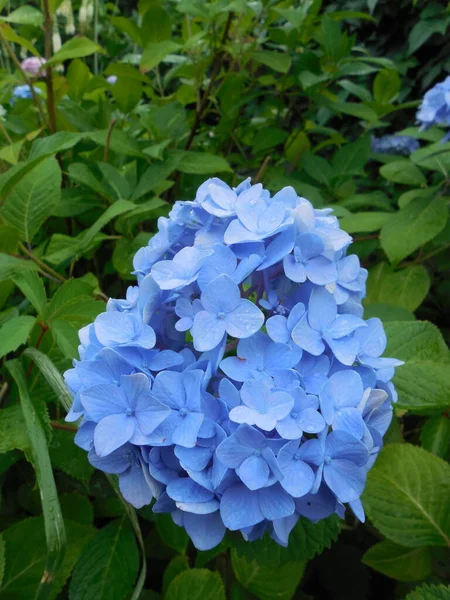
(52, 375)
(54, 524)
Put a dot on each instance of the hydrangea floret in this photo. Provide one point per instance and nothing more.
(237, 386)
(435, 107)
(403, 145)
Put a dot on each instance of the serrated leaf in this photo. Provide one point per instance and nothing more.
(76, 47)
(364, 221)
(277, 61)
(73, 302)
(403, 171)
(196, 584)
(54, 525)
(68, 457)
(107, 568)
(33, 199)
(416, 341)
(32, 287)
(13, 435)
(429, 592)
(411, 227)
(308, 539)
(14, 333)
(435, 435)
(398, 562)
(10, 266)
(406, 496)
(24, 542)
(177, 565)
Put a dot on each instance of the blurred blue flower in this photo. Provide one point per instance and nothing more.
(435, 107)
(394, 144)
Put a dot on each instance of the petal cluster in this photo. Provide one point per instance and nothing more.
(435, 107)
(237, 385)
(403, 145)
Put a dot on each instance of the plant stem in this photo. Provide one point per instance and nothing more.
(49, 71)
(16, 62)
(262, 169)
(41, 264)
(57, 425)
(108, 140)
(5, 133)
(217, 65)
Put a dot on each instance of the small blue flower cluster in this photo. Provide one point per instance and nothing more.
(237, 383)
(394, 144)
(24, 92)
(435, 107)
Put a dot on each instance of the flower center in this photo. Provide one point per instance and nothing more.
(257, 452)
(327, 460)
(183, 412)
(294, 415)
(129, 412)
(221, 316)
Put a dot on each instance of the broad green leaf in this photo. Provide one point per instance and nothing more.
(25, 15)
(177, 565)
(406, 496)
(173, 535)
(32, 200)
(429, 592)
(411, 227)
(10, 266)
(364, 221)
(352, 158)
(73, 302)
(435, 435)
(66, 337)
(155, 174)
(156, 52)
(423, 382)
(308, 539)
(386, 86)
(25, 558)
(78, 76)
(54, 525)
(277, 61)
(406, 288)
(317, 168)
(14, 333)
(156, 25)
(398, 562)
(68, 457)
(108, 566)
(200, 163)
(266, 569)
(424, 29)
(12, 36)
(433, 156)
(268, 137)
(403, 171)
(119, 142)
(196, 584)
(76, 507)
(63, 140)
(11, 153)
(13, 434)
(32, 287)
(387, 312)
(359, 110)
(76, 47)
(129, 27)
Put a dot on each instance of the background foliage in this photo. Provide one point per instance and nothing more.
(288, 93)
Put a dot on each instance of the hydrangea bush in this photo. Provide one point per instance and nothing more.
(238, 384)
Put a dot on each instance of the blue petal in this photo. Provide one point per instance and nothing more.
(322, 309)
(254, 472)
(220, 295)
(185, 434)
(134, 487)
(298, 478)
(186, 490)
(244, 320)
(275, 503)
(239, 507)
(205, 531)
(112, 432)
(345, 479)
(207, 331)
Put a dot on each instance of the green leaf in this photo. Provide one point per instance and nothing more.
(33, 199)
(364, 221)
(277, 61)
(352, 158)
(13, 435)
(11, 266)
(411, 227)
(124, 252)
(177, 565)
(25, 15)
(308, 539)
(11, 153)
(119, 142)
(25, 559)
(156, 52)
(68, 457)
(355, 109)
(406, 496)
(435, 435)
(433, 156)
(156, 25)
(202, 163)
(32, 287)
(63, 140)
(398, 562)
(107, 567)
(386, 86)
(406, 288)
(54, 525)
(317, 168)
(173, 535)
(423, 382)
(73, 302)
(196, 584)
(12, 36)
(14, 333)
(155, 174)
(403, 171)
(129, 28)
(387, 312)
(2, 559)
(76, 507)
(266, 569)
(429, 592)
(76, 47)
(423, 30)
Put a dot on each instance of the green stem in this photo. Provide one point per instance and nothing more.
(41, 264)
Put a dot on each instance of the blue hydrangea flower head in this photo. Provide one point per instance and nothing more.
(237, 384)
(435, 107)
(403, 145)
